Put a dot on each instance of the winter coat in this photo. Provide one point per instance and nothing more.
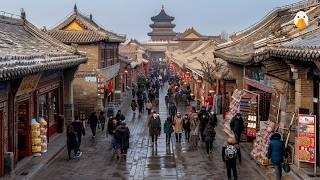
(122, 136)
(133, 106)
(167, 127)
(78, 128)
(213, 120)
(186, 125)
(120, 117)
(276, 150)
(172, 109)
(203, 117)
(112, 127)
(178, 125)
(154, 131)
(237, 125)
(72, 141)
(209, 134)
(102, 119)
(93, 120)
(194, 127)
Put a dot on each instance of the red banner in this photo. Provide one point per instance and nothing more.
(307, 138)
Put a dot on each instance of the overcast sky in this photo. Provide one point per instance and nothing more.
(132, 17)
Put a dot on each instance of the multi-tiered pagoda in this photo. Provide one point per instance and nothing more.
(162, 27)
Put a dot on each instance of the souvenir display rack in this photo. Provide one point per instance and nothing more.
(249, 112)
(261, 143)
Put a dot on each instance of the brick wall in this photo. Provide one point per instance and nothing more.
(85, 93)
(92, 52)
(304, 94)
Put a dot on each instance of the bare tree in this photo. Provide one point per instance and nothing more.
(214, 70)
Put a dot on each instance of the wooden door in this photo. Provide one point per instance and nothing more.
(1, 144)
(24, 129)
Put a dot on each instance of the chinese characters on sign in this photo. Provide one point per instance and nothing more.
(306, 138)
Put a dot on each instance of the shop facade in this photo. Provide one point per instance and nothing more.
(32, 91)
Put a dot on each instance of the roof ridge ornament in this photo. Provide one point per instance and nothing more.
(75, 8)
(162, 7)
(23, 14)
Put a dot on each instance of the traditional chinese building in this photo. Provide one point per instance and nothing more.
(36, 72)
(139, 61)
(191, 34)
(279, 64)
(96, 81)
(162, 27)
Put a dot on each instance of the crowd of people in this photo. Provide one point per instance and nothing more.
(197, 124)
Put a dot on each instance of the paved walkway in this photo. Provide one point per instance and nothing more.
(145, 162)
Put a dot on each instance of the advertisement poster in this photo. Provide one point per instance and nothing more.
(306, 138)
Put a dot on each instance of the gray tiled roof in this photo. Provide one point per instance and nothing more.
(93, 32)
(162, 16)
(300, 49)
(24, 49)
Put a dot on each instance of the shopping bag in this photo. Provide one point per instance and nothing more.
(286, 166)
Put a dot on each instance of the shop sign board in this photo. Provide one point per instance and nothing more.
(307, 138)
(28, 84)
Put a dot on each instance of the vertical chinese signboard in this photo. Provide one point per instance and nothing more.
(307, 138)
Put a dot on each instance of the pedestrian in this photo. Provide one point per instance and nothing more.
(134, 105)
(186, 127)
(198, 106)
(276, 152)
(123, 135)
(178, 127)
(172, 110)
(194, 121)
(79, 129)
(167, 128)
(120, 117)
(209, 134)
(166, 99)
(213, 120)
(110, 111)
(133, 92)
(102, 119)
(72, 142)
(93, 121)
(237, 126)
(112, 126)
(149, 107)
(154, 125)
(229, 156)
(204, 119)
(140, 103)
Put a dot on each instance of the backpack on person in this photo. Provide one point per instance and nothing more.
(154, 123)
(230, 152)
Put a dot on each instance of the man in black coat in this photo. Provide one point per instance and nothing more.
(204, 119)
(237, 126)
(93, 121)
(79, 129)
(172, 110)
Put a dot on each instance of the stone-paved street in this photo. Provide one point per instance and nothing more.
(144, 161)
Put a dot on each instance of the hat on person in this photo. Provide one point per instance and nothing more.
(231, 141)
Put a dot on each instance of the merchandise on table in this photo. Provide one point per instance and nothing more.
(43, 136)
(36, 140)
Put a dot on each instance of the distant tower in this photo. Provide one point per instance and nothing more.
(162, 28)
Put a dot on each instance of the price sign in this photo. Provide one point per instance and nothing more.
(307, 138)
